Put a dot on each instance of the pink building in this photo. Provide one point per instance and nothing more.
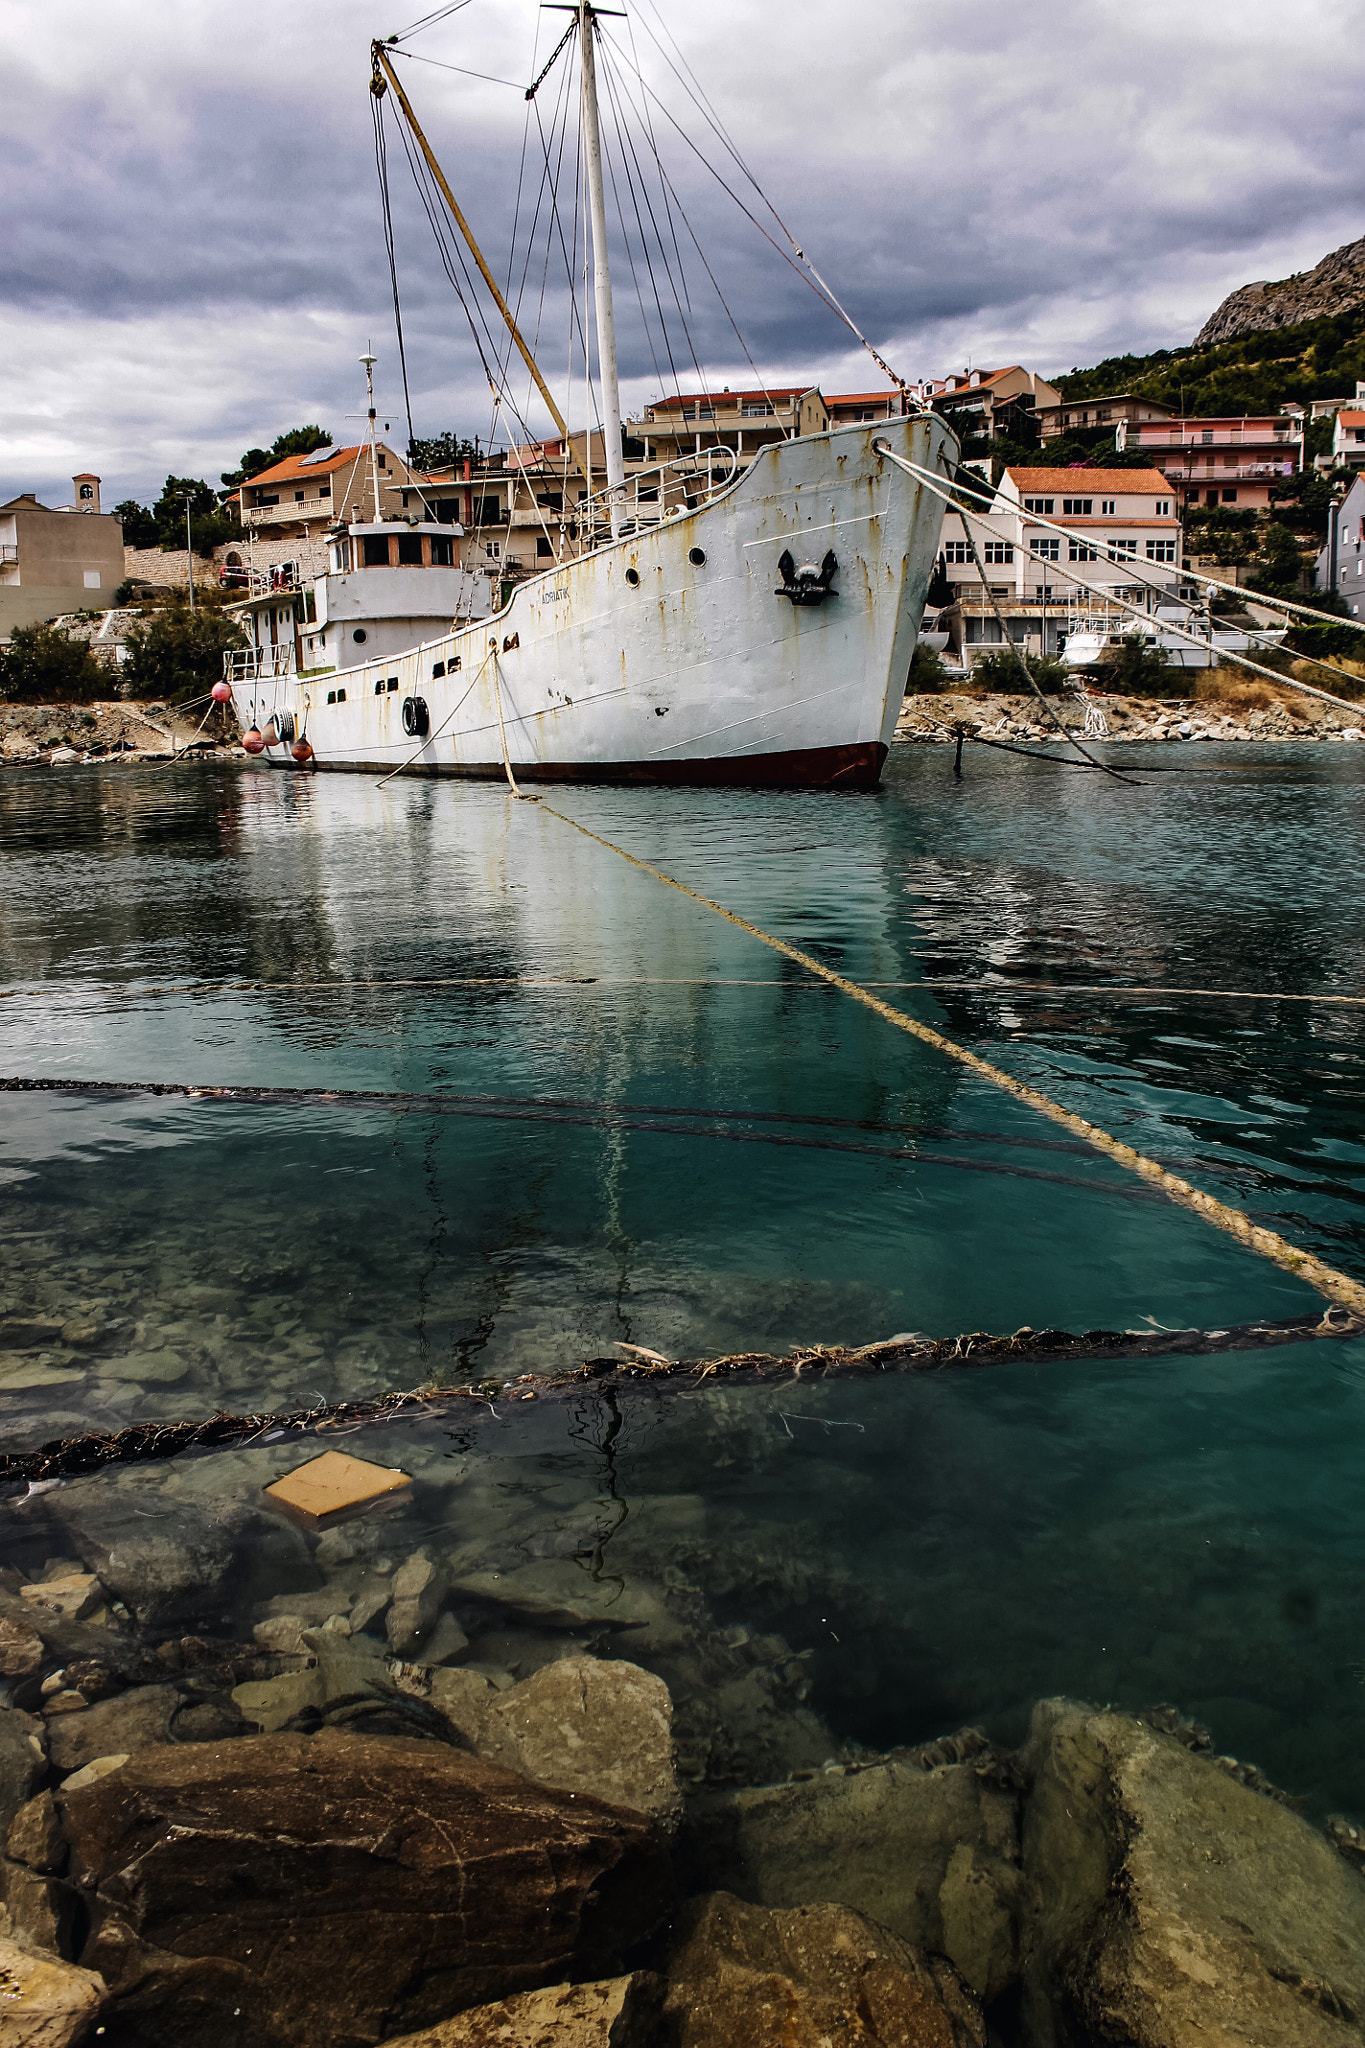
(1233, 461)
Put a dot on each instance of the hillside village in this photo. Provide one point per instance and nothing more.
(1240, 455)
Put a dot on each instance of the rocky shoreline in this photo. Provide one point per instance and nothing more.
(62, 735)
(404, 1799)
(932, 720)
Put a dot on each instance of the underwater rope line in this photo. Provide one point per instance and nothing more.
(143, 1442)
(1333, 1285)
(974, 986)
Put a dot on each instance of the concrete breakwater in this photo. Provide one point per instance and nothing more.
(930, 721)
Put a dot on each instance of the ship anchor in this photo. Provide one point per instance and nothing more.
(806, 585)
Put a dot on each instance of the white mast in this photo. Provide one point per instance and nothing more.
(369, 361)
(606, 325)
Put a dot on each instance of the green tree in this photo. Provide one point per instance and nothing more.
(44, 665)
(1280, 563)
(294, 441)
(998, 670)
(177, 653)
(1135, 670)
(441, 451)
(139, 525)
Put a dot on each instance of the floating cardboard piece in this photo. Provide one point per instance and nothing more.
(333, 1487)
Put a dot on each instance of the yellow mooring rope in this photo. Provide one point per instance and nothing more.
(1332, 1285)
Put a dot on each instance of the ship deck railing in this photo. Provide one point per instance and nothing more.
(258, 664)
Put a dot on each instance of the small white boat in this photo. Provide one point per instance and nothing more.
(1090, 635)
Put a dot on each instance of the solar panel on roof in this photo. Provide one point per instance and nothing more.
(318, 455)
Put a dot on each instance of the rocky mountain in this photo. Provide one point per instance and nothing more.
(1336, 285)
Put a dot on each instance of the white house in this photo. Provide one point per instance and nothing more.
(1117, 519)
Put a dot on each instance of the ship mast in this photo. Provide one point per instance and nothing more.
(601, 272)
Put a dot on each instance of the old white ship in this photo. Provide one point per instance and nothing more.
(714, 624)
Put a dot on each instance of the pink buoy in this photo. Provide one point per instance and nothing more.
(302, 752)
(252, 741)
(221, 693)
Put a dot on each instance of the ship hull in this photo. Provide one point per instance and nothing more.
(670, 657)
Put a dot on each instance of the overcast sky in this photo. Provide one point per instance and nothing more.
(194, 253)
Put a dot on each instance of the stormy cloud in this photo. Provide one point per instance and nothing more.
(194, 253)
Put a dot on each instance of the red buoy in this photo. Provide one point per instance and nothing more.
(301, 751)
(221, 692)
(252, 741)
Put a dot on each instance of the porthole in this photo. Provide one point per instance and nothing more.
(696, 556)
(331, 696)
(379, 687)
(341, 696)
(438, 669)
(359, 633)
(632, 577)
(392, 683)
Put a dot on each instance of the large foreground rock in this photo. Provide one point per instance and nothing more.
(45, 2003)
(583, 1724)
(330, 1891)
(816, 1977)
(615, 2012)
(1175, 1907)
(932, 1855)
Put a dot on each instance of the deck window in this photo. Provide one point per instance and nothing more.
(442, 551)
(376, 550)
(410, 550)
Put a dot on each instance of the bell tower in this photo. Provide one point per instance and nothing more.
(87, 489)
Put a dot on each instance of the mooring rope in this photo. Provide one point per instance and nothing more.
(142, 1442)
(1333, 1285)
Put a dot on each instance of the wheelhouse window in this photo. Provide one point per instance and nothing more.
(410, 550)
(442, 551)
(376, 550)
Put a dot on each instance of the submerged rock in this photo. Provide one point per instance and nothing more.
(170, 1569)
(585, 1725)
(1175, 1905)
(816, 1977)
(45, 2003)
(22, 1760)
(134, 1720)
(313, 1891)
(932, 1855)
(615, 2012)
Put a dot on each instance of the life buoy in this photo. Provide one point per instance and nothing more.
(416, 719)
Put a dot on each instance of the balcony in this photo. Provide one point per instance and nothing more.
(287, 509)
(1209, 473)
(9, 551)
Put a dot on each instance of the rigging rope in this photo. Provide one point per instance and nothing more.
(1335, 1286)
(381, 158)
(1106, 591)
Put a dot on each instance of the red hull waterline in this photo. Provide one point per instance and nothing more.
(853, 767)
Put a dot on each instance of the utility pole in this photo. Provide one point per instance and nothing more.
(189, 549)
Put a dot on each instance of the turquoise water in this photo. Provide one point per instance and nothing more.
(668, 1136)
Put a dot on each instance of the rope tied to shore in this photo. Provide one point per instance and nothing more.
(1332, 1284)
